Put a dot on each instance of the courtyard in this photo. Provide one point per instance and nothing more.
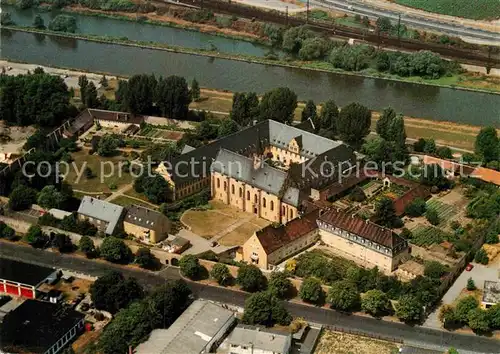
(223, 224)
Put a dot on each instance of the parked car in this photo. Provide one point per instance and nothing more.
(469, 267)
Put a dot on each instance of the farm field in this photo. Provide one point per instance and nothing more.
(428, 235)
(445, 211)
(477, 10)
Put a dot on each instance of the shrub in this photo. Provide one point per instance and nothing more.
(86, 245)
(115, 250)
(265, 309)
(375, 302)
(416, 208)
(190, 266)
(250, 278)
(344, 296)
(471, 285)
(481, 257)
(464, 306)
(220, 272)
(280, 285)
(35, 237)
(432, 216)
(145, 259)
(434, 269)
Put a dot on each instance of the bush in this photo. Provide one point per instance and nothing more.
(220, 272)
(311, 291)
(434, 269)
(478, 320)
(481, 257)
(471, 285)
(63, 23)
(344, 296)
(145, 259)
(406, 234)
(263, 308)
(86, 245)
(35, 237)
(6, 231)
(62, 242)
(279, 285)
(375, 302)
(409, 309)
(464, 306)
(22, 198)
(432, 216)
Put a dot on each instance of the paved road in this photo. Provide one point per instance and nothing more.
(412, 19)
(417, 336)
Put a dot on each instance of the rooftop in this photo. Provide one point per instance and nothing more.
(491, 293)
(260, 338)
(45, 323)
(101, 210)
(144, 217)
(191, 332)
(273, 238)
(24, 273)
(364, 228)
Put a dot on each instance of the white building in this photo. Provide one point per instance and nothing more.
(255, 340)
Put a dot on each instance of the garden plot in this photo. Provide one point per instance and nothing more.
(446, 212)
(429, 235)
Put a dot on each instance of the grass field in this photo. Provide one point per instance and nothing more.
(479, 9)
(99, 166)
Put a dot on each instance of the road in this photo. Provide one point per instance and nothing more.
(412, 20)
(416, 336)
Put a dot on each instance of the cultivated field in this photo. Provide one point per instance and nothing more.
(478, 10)
(342, 343)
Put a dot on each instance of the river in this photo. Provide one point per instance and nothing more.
(415, 100)
(144, 32)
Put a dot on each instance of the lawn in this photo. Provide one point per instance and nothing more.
(479, 9)
(343, 343)
(100, 167)
(240, 235)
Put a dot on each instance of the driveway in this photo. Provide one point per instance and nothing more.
(479, 274)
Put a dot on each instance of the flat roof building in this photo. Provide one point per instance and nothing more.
(200, 329)
(39, 327)
(491, 294)
(22, 279)
(250, 339)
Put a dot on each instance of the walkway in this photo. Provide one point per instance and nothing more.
(118, 193)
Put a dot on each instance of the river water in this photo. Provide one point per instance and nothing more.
(132, 30)
(415, 100)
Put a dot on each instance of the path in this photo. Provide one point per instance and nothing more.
(120, 192)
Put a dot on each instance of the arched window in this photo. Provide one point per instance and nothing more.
(218, 182)
(255, 198)
(283, 211)
(232, 189)
(241, 192)
(291, 214)
(272, 205)
(248, 195)
(225, 186)
(264, 202)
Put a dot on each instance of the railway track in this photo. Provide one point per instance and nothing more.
(464, 55)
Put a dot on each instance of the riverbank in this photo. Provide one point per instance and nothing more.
(456, 135)
(467, 82)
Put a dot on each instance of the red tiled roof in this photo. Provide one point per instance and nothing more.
(273, 238)
(417, 192)
(448, 165)
(360, 227)
(487, 175)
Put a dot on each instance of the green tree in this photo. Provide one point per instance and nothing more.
(279, 285)
(263, 308)
(25, 4)
(444, 152)
(471, 285)
(385, 212)
(145, 259)
(328, 116)
(294, 37)
(491, 237)
(375, 302)
(419, 145)
(21, 198)
(416, 207)
(357, 194)
(49, 197)
(397, 132)
(245, 108)
(487, 144)
(434, 269)
(309, 111)
(227, 127)
(191, 267)
(313, 48)
(384, 24)
(62, 242)
(173, 97)
(108, 144)
(430, 146)
(384, 123)
(35, 237)
(138, 92)
(83, 82)
(406, 234)
(494, 316)
(86, 245)
(344, 296)
(220, 272)
(155, 188)
(478, 320)
(278, 104)
(38, 22)
(115, 250)
(251, 279)
(63, 23)
(409, 309)
(195, 90)
(464, 306)
(311, 291)
(91, 100)
(353, 123)
(112, 292)
(481, 256)
(434, 175)
(432, 216)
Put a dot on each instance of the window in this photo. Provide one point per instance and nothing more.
(283, 211)
(232, 189)
(225, 186)
(255, 198)
(291, 213)
(218, 182)
(264, 202)
(248, 195)
(241, 192)
(272, 205)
